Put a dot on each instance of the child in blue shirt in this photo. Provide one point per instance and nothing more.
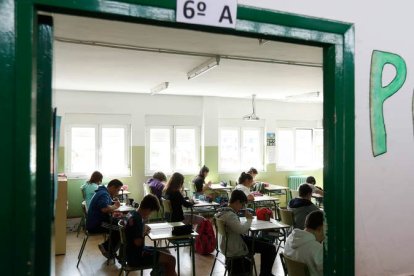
(99, 211)
(88, 189)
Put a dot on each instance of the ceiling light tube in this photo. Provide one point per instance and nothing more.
(305, 95)
(204, 67)
(160, 87)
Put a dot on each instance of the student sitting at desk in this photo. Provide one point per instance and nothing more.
(173, 193)
(156, 184)
(238, 243)
(99, 209)
(305, 246)
(137, 254)
(253, 172)
(312, 182)
(200, 181)
(88, 189)
(201, 187)
(302, 205)
(245, 183)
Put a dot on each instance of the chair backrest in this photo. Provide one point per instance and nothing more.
(192, 186)
(232, 183)
(83, 194)
(121, 227)
(122, 249)
(286, 216)
(147, 189)
(166, 204)
(84, 208)
(221, 231)
(294, 194)
(294, 268)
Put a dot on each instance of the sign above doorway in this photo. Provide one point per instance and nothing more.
(207, 12)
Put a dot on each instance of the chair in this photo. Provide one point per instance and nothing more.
(232, 183)
(177, 243)
(122, 254)
(294, 194)
(192, 187)
(286, 217)
(85, 240)
(221, 230)
(82, 222)
(110, 227)
(166, 206)
(147, 189)
(292, 267)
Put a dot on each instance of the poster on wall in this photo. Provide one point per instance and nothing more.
(270, 147)
(270, 139)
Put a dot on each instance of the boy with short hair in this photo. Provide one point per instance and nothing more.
(305, 246)
(99, 211)
(302, 205)
(137, 254)
(239, 244)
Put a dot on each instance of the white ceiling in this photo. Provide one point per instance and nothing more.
(97, 68)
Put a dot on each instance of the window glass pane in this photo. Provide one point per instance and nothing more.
(113, 151)
(251, 153)
(229, 159)
(83, 154)
(185, 150)
(160, 150)
(304, 148)
(318, 146)
(285, 147)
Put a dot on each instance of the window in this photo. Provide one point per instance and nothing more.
(172, 148)
(299, 148)
(98, 147)
(240, 148)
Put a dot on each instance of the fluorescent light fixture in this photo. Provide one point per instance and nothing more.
(160, 87)
(308, 95)
(253, 116)
(204, 67)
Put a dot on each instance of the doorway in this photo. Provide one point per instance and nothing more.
(338, 108)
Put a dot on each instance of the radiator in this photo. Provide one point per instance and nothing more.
(295, 181)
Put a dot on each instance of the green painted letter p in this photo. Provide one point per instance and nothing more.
(379, 93)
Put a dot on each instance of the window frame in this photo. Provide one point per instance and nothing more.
(98, 149)
(294, 166)
(127, 148)
(172, 128)
(240, 144)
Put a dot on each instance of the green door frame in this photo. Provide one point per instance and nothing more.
(18, 62)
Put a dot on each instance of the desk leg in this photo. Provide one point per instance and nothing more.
(154, 260)
(193, 255)
(178, 259)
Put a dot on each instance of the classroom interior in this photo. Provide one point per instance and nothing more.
(135, 99)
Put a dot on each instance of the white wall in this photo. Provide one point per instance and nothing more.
(137, 105)
(210, 109)
(383, 189)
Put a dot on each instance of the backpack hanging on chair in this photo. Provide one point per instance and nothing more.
(205, 242)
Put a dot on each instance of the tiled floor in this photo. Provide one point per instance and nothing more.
(93, 263)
